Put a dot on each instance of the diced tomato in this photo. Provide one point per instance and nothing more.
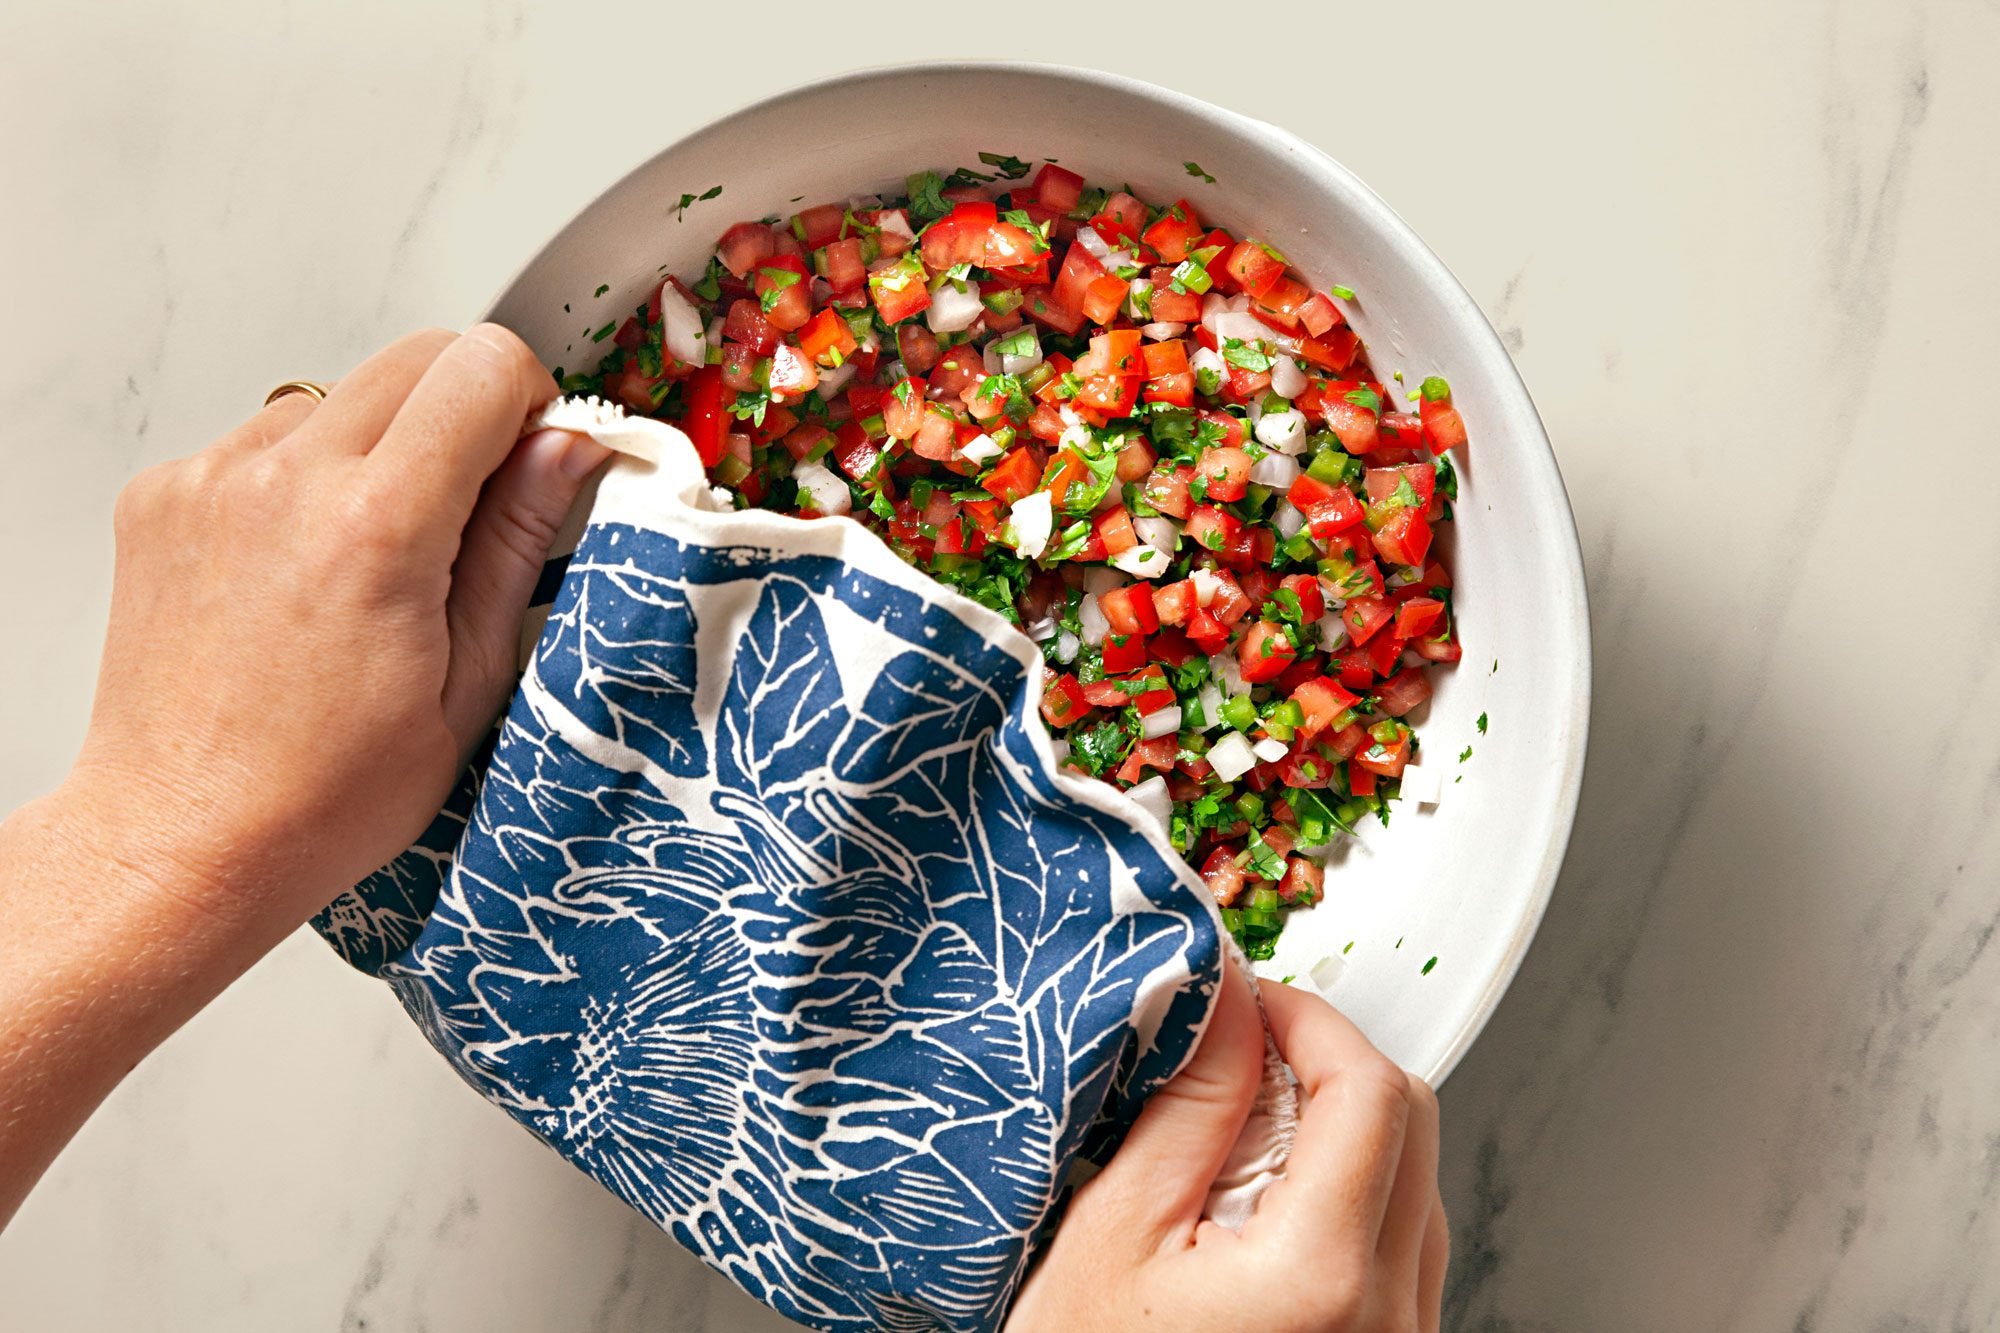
(903, 409)
(1403, 691)
(1383, 760)
(1135, 459)
(1444, 428)
(854, 451)
(1443, 647)
(1124, 652)
(1319, 315)
(1079, 270)
(1228, 473)
(1058, 188)
(1208, 633)
(1157, 754)
(1223, 875)
(702, 415)
(785, 290)
(1045, 307)
(1256, 271)
(1322, 700)
(1230, 603)
(1365, 615)
(899, 290)
(1170, 306)
(1416, 616)
(1114, 529)
(1166, 489)
(1062, 700)
(1210, 527)
(744, 246)
(1334, 350)
(1280, 305)
(1130, 609)
(1382, 653)
(1360, 781)
(918, 348)
(790, 376)
(1356, 427)
(1312, 601)
(1173, 602)
(1405, 538)
(1014, 476)
(1173, 233)
(843, 267)
(1171, 646)
(1264, 652)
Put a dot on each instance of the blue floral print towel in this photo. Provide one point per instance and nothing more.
(770, 911)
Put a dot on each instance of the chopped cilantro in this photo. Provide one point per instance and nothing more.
(1249, 356)
(1465, 754)
(1194, 169)
(1013, 168)
(1101, 746)
(1428, 966)
(681, 208)
(1481, 724)
(604, 332)
(780, 279)
(927, 199)
(602, 288)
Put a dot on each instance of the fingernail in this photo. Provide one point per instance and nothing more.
(574, 456)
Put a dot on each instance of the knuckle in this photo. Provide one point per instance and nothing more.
(501, 349)
(1382, 1087)
(525, 530)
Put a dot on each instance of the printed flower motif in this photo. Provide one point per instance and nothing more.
(768, 917)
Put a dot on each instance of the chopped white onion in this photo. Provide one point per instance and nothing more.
(952, 310)
(1161, 330)
(829, 492)
(1162, 534)
(1228, 673)
(1042, 630)
(1021, 363)
(1241, 325)
(831, 382)
(1205, 358)
(1211, 706)
(1231, 757)
(1031, 520)
(1325, 973)
(1404, 576)
(681, 331)
(980, 448)
(1270, 751)
(1161, 722)
(1331, 632)
(1060, 744)
(1090, 616)
(1143, 562)
(1284, 431)
(896, 225)
(1422, 785)
(1286, 517)
(1066, 646)
(1287, 380)
(1151, 796)
(1206, 584)
(1278, 471)
(1141, 289)
(1213, 304)
(1098, 580)
(863, 203)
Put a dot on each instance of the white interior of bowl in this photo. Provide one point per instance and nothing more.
(1465, 882)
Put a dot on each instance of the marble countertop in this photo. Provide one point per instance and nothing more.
(1746, 1079)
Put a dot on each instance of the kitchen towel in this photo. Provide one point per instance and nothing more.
(771, 910)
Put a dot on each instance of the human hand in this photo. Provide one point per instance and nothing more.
(314, 621)
(1352, 1240)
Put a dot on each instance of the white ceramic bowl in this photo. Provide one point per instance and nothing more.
(1465, 883)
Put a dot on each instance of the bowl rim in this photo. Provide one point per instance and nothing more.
(1434, 273)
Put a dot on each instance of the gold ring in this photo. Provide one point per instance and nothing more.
(316, 392)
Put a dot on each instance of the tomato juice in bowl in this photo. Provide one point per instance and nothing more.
(1423, 922)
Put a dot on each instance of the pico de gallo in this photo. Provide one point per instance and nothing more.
(1142, 438)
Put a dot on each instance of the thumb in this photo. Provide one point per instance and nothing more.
(500, 558)
(1159, 1178)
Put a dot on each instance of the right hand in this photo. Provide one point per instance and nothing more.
(1352, 1240)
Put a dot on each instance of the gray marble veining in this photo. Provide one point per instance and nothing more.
(1745, 1080)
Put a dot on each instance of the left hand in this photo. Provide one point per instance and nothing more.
(315, 619)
